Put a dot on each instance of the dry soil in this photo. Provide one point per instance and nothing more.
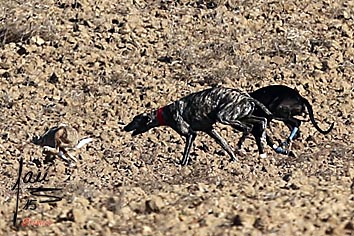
(96, 64)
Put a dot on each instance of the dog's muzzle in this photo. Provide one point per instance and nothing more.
(136, 130)
(128, 128)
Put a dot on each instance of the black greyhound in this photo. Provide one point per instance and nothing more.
(284, 103)
(200, 111)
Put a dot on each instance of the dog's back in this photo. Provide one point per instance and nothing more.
(281, 100)
(201, 108)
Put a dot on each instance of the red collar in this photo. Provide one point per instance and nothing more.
(159, 116)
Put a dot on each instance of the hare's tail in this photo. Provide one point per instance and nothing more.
(83, 142)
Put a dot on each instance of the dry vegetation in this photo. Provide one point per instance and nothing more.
(96, 64)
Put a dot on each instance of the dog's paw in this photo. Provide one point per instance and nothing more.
(284, 144)
(263, 155)
(281, 150)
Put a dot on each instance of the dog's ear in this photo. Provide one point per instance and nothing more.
(149, 119)
(146, 116)
(152, 116)
(140, 118)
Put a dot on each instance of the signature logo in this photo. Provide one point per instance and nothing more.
(46, 194)
(29, 222)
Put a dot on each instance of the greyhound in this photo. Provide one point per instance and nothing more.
(200, 111)
(284, 103)
(57, 139)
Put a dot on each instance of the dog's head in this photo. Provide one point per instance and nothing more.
(142, 123)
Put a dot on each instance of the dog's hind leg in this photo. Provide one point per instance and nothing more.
(259, 125)
(293, 124)
(236, 124)
(221, 141)
(257, 133)
(245, 134)
(242, 140)
(276, 148)
(230, 117)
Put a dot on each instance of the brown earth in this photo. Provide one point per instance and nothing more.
(97, 64)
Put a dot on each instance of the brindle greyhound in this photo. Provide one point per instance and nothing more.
(200, 111)
(284, 103)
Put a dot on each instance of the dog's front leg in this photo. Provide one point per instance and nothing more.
(183, 129)
(190, 137)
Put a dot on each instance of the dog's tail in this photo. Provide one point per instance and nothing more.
(263, 107)
(312, 118)
(83, 142)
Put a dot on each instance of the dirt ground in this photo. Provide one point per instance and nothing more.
(96, 64)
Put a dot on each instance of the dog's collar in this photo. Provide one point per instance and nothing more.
(159, 116)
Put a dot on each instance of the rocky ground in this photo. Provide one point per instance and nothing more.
(96, 64)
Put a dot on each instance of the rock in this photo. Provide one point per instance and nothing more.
(80, 215)
(155, 204)
(278, 60)
(38, 40)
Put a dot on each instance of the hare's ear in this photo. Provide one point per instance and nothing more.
(36, 139)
